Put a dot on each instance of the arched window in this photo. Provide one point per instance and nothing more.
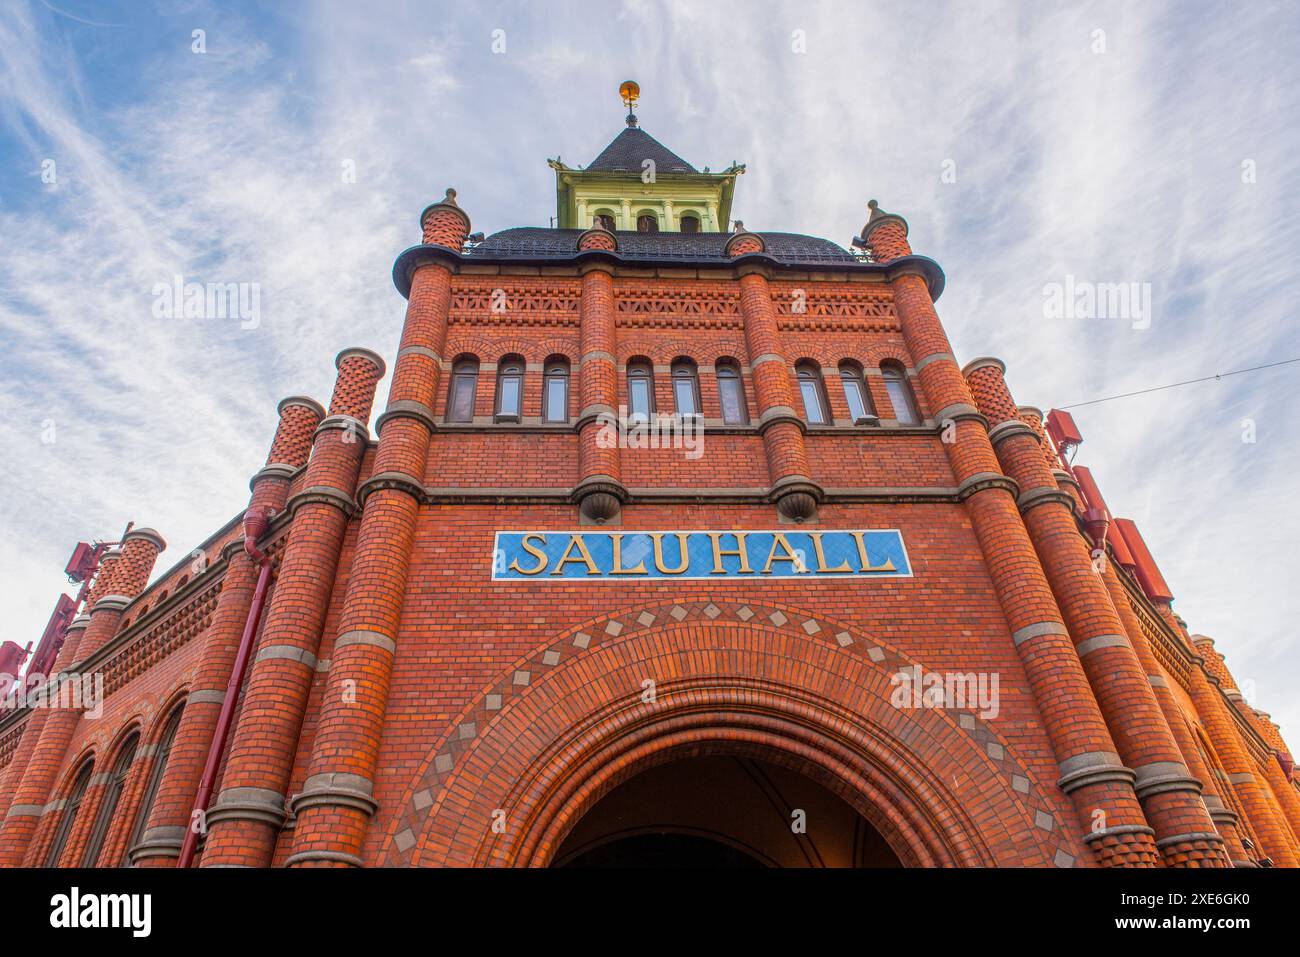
(163, 752)
(809, 375)
(855, 393)
(686, 387)
(690, 224)
(647, 223)
(640, 388)
(112, 794)
(510, 389)
(900, 393)
(603, 221)
(464, 383)
(555, 391)
(76, 795)
(731, 393)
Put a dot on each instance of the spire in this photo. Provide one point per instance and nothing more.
(630, 92)
(637, 183)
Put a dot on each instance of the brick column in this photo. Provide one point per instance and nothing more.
(1280, 768)
(1169, 793)
(1092, 510)
(1209, 681)
(600, 492)
(1224, 818)
(160, 844)
(246, 817)
(1099, 786)
(337, 799)
(38, 715)
(26, 835)
(795, 493)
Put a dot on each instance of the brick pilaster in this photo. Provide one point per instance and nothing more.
(792, 489)
(1169, 793)
(26, 836)
(1209, 678)
(1279, 777)
(337, 798)
(37, 717)
(600, 491)
(1225, 820)
(1091, 773)
(160, 843)
(246, 817)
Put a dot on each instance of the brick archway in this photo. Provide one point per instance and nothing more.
(572, 721)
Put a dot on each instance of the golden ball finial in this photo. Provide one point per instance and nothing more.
(630, 93)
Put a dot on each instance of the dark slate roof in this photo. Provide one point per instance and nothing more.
(631, 148)
(538, 242)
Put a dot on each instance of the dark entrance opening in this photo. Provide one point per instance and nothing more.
(719, 811)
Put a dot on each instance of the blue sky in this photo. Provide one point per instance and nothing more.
(1104, 142)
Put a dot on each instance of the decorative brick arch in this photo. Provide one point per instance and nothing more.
(566, 724)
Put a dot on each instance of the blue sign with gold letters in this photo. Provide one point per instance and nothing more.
(621, 556)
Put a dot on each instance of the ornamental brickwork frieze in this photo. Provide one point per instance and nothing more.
(514, 301)
(806, 306)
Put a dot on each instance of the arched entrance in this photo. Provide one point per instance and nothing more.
(723, 811)
(613, 698)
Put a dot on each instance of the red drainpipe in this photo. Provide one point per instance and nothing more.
(256, 522)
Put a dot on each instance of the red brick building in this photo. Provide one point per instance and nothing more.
(670, 544)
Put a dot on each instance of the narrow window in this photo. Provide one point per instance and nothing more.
(154, 783)
(112, 794)
(69, 816)
(510, 389)
(690, 224)
(647, 223)
(555, 391)
(731, 393)
(855, 393)
(604, 221)
(810, 388)
(686, 388)
(900, 394)
(464, 382)
(640, 389)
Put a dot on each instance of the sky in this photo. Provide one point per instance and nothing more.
(293, 146)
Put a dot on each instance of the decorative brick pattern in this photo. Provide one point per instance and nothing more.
(730, 634)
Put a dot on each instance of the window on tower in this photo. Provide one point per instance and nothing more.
(604, 221)
(647, 223)
(555, 391)
(686, 387)
(856, 395)
(464, 383)
(731, 393)
(809, 375)
(510, 389)
(900, 393)
(690, 224)
(640, 389)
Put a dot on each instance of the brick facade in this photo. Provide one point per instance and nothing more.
(403, 708)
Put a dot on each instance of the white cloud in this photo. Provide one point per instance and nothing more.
(1124, 165)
